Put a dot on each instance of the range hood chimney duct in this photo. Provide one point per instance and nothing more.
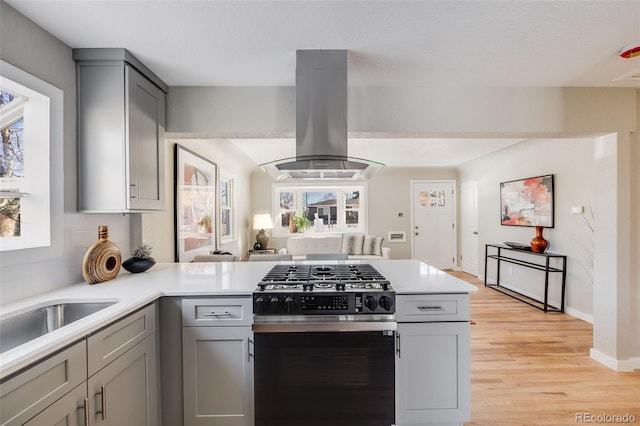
(321, 118)
(321, 102)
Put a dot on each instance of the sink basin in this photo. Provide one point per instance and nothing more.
(37, 322)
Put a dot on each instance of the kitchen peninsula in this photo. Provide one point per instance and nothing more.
(421, 291)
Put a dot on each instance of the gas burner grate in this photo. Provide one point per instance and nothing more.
(338, 277)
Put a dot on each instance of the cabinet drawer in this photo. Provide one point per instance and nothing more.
(26, 394)
(432, 307)
(217, 311)
(111, 342)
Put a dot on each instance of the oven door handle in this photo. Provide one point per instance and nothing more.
(344, 326)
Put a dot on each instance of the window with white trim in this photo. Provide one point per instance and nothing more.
(227, 208)
(339, 208)
(24, 166)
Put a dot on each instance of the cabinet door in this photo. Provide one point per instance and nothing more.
(218, 376)
(67, 411)
(111, 342)
(125, 391)
(433, 373)
(29, 392)
(145, 130)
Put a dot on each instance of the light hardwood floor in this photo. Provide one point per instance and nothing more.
(532, 368)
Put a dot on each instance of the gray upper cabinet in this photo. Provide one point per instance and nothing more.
(121, 124)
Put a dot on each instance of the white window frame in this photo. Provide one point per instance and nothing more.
(231, 207)
(42, 105)
(299, 188)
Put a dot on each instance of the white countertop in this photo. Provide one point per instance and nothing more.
(132, 291)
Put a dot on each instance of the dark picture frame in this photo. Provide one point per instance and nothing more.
(527, 202)
(195, 196)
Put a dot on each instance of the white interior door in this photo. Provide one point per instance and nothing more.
(433, 210)
(469, 227)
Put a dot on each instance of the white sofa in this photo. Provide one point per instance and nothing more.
(299, 247)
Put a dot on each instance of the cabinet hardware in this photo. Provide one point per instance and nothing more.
(218, 314)
(103, 401)
(398, 344)
(430, 308)
(85, 408)
(249, 354)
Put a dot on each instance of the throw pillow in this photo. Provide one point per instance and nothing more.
(352, 244)
(372, 245)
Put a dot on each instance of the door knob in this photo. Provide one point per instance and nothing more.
(417, 233)
(475, 232)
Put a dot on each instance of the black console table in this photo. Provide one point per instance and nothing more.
(498, 253)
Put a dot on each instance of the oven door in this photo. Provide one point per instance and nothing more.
(319, 376)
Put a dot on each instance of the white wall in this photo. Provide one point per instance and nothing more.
(28, 47)
(635, 238)
(158, 228)
(571, 161)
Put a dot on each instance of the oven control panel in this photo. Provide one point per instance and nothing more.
(323, 304)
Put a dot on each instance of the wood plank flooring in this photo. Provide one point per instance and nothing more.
(532, 368)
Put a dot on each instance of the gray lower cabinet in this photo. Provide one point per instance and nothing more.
(125, 391)
(217, 362)
(28, 393)
(70, 410)
(121, 124)
(433, 382)
(108, 378)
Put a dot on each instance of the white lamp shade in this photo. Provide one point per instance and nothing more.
(262, 221)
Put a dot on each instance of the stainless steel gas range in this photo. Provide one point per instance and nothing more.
(324, 346)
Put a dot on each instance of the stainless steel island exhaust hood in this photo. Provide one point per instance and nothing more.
(321, 121)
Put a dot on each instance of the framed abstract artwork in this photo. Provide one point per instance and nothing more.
(527, 202)
(195, 204)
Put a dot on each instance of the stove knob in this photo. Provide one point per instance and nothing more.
(275, 304)
(261, 305)
(290, 304)
(371, 303)
(386, 303)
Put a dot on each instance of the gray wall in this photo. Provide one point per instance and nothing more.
(412, 111)
(28, 47)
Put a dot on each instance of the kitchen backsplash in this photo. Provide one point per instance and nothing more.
(81, 231)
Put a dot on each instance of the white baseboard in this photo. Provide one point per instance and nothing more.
(567, 310)
(615, 364)
(579, 314)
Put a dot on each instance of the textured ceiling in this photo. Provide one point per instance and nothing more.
(526, 43)
(247, 43)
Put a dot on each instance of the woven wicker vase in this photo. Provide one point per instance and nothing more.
(103, 259)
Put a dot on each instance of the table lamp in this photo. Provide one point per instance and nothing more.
(262, 222)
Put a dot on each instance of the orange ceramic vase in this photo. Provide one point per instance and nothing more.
(538, 243)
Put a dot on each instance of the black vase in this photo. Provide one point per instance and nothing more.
(137, 264)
